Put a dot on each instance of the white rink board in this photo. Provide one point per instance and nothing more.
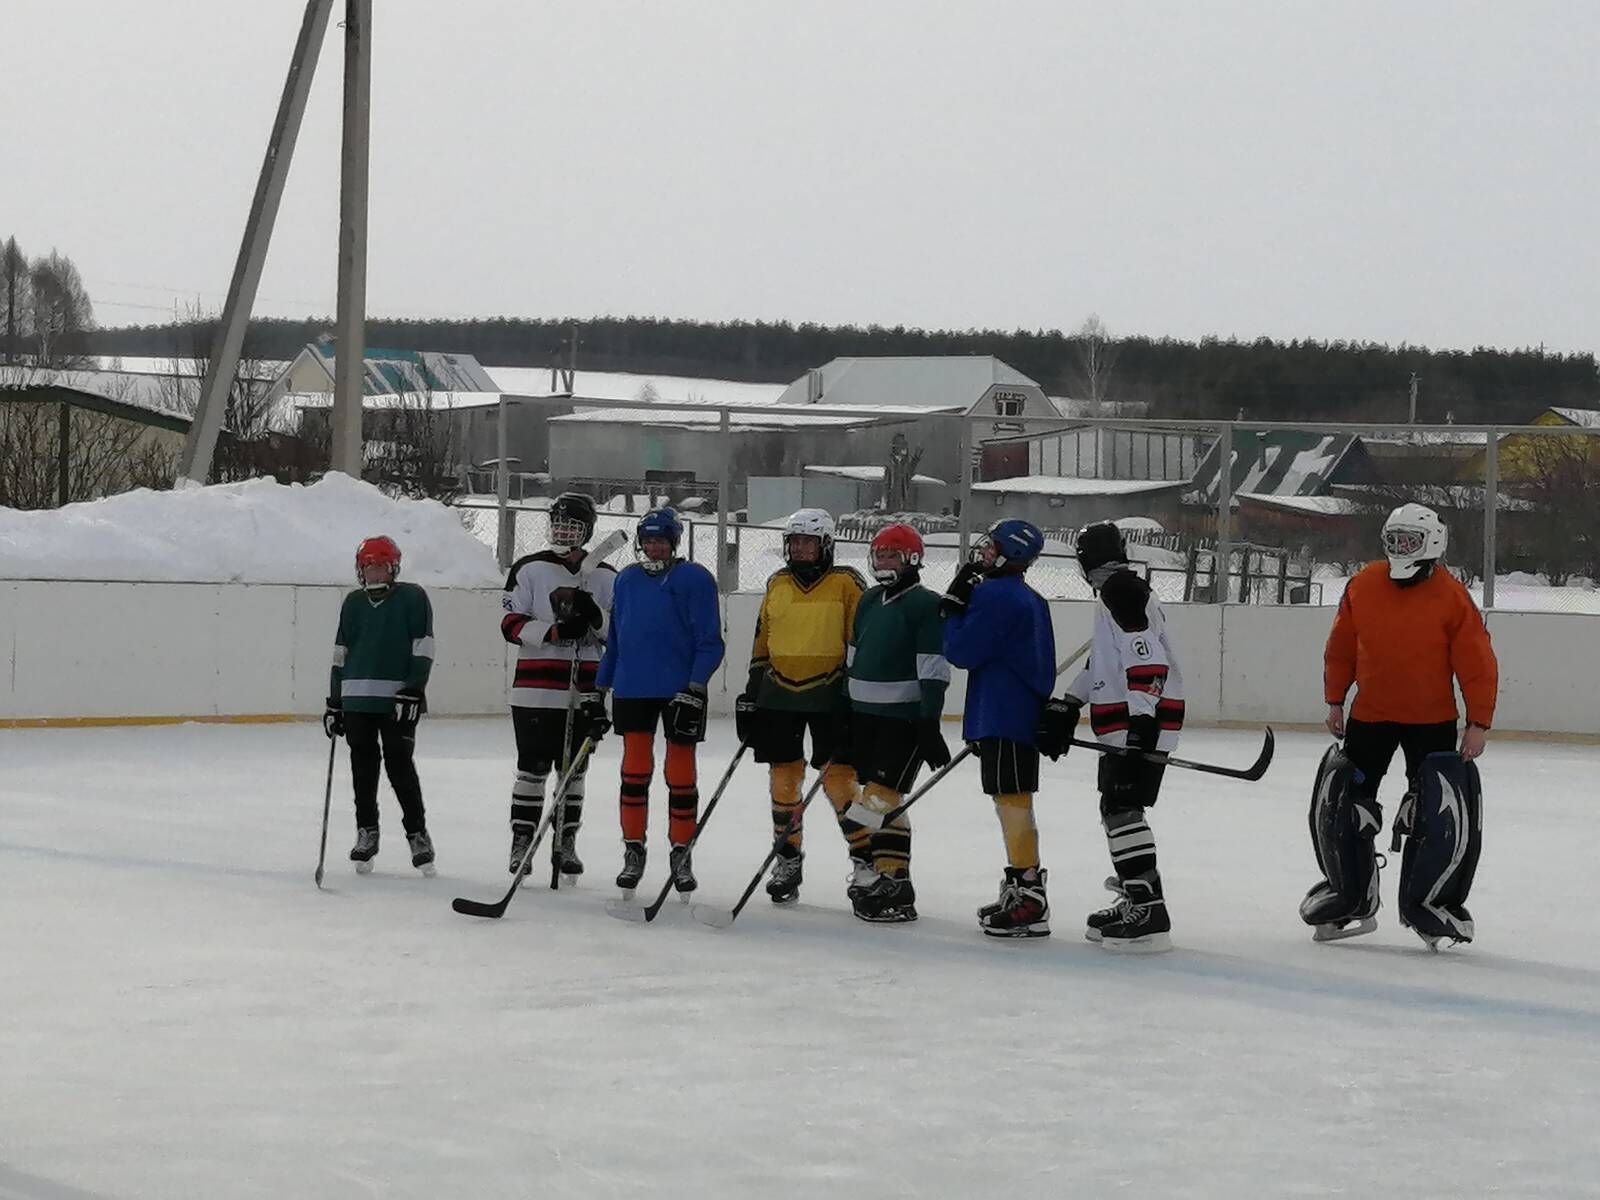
(77, 649)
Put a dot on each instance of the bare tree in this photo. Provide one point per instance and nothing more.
(1562, 484)
(1096, 355)
(899, 473)
(61, 310)
(419, 450)
(16, 297)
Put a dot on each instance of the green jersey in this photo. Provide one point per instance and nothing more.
(381, 647)
(896, 655)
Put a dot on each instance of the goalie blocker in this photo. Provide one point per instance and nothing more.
(1436, 868)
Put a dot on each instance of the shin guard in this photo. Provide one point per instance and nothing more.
(1441, 855)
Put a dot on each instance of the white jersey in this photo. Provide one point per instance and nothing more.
(537, 591)
(1132, 670)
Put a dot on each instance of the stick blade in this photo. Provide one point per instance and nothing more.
(1264, 760)
(318, 877)
(712, 917)
(477, 908)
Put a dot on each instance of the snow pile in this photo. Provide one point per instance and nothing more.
(259, 531)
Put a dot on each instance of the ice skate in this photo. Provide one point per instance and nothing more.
(784, 886)
(365, 849)
(422, 852)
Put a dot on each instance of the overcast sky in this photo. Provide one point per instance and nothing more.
(1422, 172)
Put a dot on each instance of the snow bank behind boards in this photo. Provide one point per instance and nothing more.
(258, 531)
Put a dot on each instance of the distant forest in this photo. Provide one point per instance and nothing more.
(1211, 378)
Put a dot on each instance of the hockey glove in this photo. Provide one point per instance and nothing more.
(686, 715)
(746, 719)
(583, 605)
(408, 706)
(959, 593)
(931, 743)
(593, 720)
(333, 718)
(1058, 721)
(1131, 780)
(568, 629)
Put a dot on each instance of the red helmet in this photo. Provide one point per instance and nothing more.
(377, 551)
(903, 540)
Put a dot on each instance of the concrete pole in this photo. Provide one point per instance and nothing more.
(350, 328)
(505, 527)
(963, 488)
(1222, 560)
(1491, 510)
(201, 442)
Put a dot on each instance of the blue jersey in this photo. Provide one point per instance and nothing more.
(666, 632)
(1005, 643)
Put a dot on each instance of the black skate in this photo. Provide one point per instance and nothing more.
(566, 855)
(422, 852)
(682, 871)
(861, 878)
(1365, 920)
(1023, 910)
(632, 866)
(365, 849)
(521, 839)
(1096, 921)
(890, 900)
(1142, 925)
(784, 886)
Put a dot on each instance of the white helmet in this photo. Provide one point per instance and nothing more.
(1413, 535)
(811, 522)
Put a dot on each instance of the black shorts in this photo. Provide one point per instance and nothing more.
(1370, 745)
(781, 737)
(1007, 767)
(640, 716)
(539, 733)
(885, 751)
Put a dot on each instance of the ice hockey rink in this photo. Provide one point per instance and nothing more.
(182, 1013)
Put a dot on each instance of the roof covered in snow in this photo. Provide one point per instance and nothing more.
(1060, 485)
(867, 473)
(927, 382)
(1276, 463)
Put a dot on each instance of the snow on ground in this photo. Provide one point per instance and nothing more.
(185, 1015)
(253, 532)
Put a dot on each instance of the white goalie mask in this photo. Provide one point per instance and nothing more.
(1413, 535)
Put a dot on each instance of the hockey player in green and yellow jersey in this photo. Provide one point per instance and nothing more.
(796, 685)
(897, 680)
(382, 654)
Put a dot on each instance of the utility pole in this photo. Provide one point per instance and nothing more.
(195, 465)
(1413, 397)
(350, 328)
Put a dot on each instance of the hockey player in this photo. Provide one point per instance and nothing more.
(665, 642)
(1406, 633)
(1000, 632)
(796, 685)
(1135, 694)
(557, 611)
(897, 680)
(382, 653)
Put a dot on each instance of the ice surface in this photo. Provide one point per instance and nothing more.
(184, 1014)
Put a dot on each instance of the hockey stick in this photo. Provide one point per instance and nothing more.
(1253, 772)
(716, 917)
(327, 801)
(625, 911)
(865, 816)
(496, 909)
(607, 546)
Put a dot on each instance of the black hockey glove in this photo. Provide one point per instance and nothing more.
(686, 715)
(959, 593)
(583, 605)
(746, 719)
(931, 744)
(592, 720)
(568, 628)
(333, 718)
(1131, 780)
(408, 706)
(1058, 721)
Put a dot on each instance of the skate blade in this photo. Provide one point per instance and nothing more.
(623, 910)
(1337, 933)
(364, 868)
(791, 898)
(627, 894)
(1091, 935)
(1021, 931)
(889, 918)
(1150, 943)
(429, 871)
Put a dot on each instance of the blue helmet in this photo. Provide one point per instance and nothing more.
(1016, 542)
(658, 522)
